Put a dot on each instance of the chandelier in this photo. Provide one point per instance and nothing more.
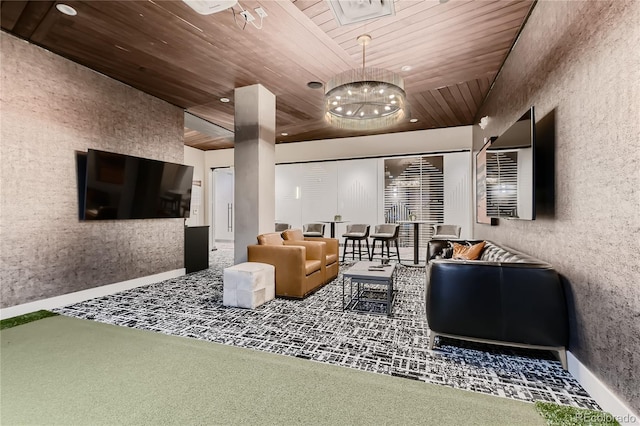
(366, 99)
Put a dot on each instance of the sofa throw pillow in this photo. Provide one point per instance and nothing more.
(462, 251)
(459, 250)
(475, 250)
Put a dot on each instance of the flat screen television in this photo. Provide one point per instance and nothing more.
(481, 186)
(117, 186)
(510, 171)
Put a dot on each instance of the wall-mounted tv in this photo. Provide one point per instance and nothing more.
(481, 186)
(510, 171)
(117, 186)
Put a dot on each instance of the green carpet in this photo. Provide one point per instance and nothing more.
(562, 415)
(62, 370)
(23, 319)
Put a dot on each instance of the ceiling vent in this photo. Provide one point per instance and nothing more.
(352, 11)
(207, 7)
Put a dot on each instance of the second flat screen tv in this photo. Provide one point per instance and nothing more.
(510, 171)
(126, 187)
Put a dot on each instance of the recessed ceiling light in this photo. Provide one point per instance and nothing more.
(225, 100)
(314, 85)
(413, 120)
(284, 134)
(406, 68)
(66, 9)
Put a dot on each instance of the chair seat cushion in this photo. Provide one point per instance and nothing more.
(354, 234)
(382, 235)
(313, 234)
(332, 258)
(311, 266)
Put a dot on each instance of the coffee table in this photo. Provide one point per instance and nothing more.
(374, 292)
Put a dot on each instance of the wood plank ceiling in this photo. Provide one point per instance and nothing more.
(454, 50)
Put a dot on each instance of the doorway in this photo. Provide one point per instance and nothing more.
(223, 204)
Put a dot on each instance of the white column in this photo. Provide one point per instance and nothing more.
(254, 162)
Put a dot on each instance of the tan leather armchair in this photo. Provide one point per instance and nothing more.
(299, 268)
(332, 263)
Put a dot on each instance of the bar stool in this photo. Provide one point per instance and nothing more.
(280, 227)
(313, 230)
(356, 232)
(385, 233)
(442, 231)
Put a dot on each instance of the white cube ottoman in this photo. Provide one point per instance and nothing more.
(248, 285)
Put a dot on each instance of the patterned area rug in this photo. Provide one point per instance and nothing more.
(316, 328)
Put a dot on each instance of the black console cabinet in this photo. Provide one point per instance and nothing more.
(196, 248)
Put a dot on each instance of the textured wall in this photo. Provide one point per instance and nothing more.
(581, 61)
(50, 108)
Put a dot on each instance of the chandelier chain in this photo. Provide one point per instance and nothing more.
(364, 46)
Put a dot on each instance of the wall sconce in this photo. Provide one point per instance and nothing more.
(484, 121)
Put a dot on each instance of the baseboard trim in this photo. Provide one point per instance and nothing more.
(608, 400)
(91, 293)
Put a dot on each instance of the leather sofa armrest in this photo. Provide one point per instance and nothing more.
(288, 260)
(463, 299)
(315, 250)
(333, 245)
(435, 247)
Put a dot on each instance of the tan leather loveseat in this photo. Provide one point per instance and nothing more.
(332, 253)
(299, 265)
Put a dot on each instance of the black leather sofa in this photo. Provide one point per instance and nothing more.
(505, 297)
